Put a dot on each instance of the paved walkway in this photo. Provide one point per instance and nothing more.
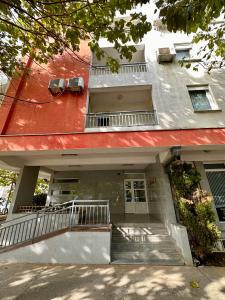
(45, 282)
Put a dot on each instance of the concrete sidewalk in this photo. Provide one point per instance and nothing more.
(120, 282)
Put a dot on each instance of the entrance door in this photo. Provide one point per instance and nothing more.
(135, 196)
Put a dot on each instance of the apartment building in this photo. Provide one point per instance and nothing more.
(105, 138)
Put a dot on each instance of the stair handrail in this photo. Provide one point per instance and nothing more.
(11, 234)
(8, 233)
(46, 209)
(51, 208)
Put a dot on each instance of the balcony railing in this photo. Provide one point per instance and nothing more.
(123, 69)
(121, 119)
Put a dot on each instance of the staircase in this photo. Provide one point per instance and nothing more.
(52, 220)
(145, 243)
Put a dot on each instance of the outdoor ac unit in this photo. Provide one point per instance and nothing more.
(75, 84)
(56, 86)
(165, 55)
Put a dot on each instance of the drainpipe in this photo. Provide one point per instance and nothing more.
(17, 95)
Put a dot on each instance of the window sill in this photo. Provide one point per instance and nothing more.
(190, 60)
(208, 111)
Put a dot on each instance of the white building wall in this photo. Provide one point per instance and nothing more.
(67, 248)
(159, 191)
(169, 84)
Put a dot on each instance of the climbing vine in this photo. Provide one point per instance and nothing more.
(194, 208)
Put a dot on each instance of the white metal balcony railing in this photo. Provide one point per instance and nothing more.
(75, 213)
(123, 69)
(121, 119)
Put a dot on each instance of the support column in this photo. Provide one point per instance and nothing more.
(159, 191)
(25, 187)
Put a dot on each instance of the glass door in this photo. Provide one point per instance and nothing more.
(135, 196)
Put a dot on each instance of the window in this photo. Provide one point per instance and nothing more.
(135, 190)
(3, 85)
(182, 54)
(201, 98)
(183, 51)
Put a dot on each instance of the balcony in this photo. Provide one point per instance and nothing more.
(123, 69)
(121, 119)
(121, 107)
(134, 72)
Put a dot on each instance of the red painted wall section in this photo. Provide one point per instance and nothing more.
(65, 113)
(8, 103)
(148, 139)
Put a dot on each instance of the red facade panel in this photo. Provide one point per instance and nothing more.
(149, 139)
(63, 114)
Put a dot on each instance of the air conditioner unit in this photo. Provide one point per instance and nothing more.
(165, 55)
(56, 86)
(158, 25)
(75, 84)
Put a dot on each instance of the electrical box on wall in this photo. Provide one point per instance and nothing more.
(75, 84)
(56, 86)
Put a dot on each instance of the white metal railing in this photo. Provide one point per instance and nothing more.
(74, 213)
(121, 119)
(123, 68)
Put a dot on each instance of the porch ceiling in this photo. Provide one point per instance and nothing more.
(100, 159)
(74, 161)
(99, 167)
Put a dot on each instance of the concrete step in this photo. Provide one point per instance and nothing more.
(153, 262)
(124, 234)
(142, 246)
(120, 234)
(145, 249)
(133, 225)
(141, 238)
(147, 255)
(141, 226)
(138, 231)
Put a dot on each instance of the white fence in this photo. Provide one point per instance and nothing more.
(124, 68)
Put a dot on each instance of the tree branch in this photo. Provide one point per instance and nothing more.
(22, 28)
